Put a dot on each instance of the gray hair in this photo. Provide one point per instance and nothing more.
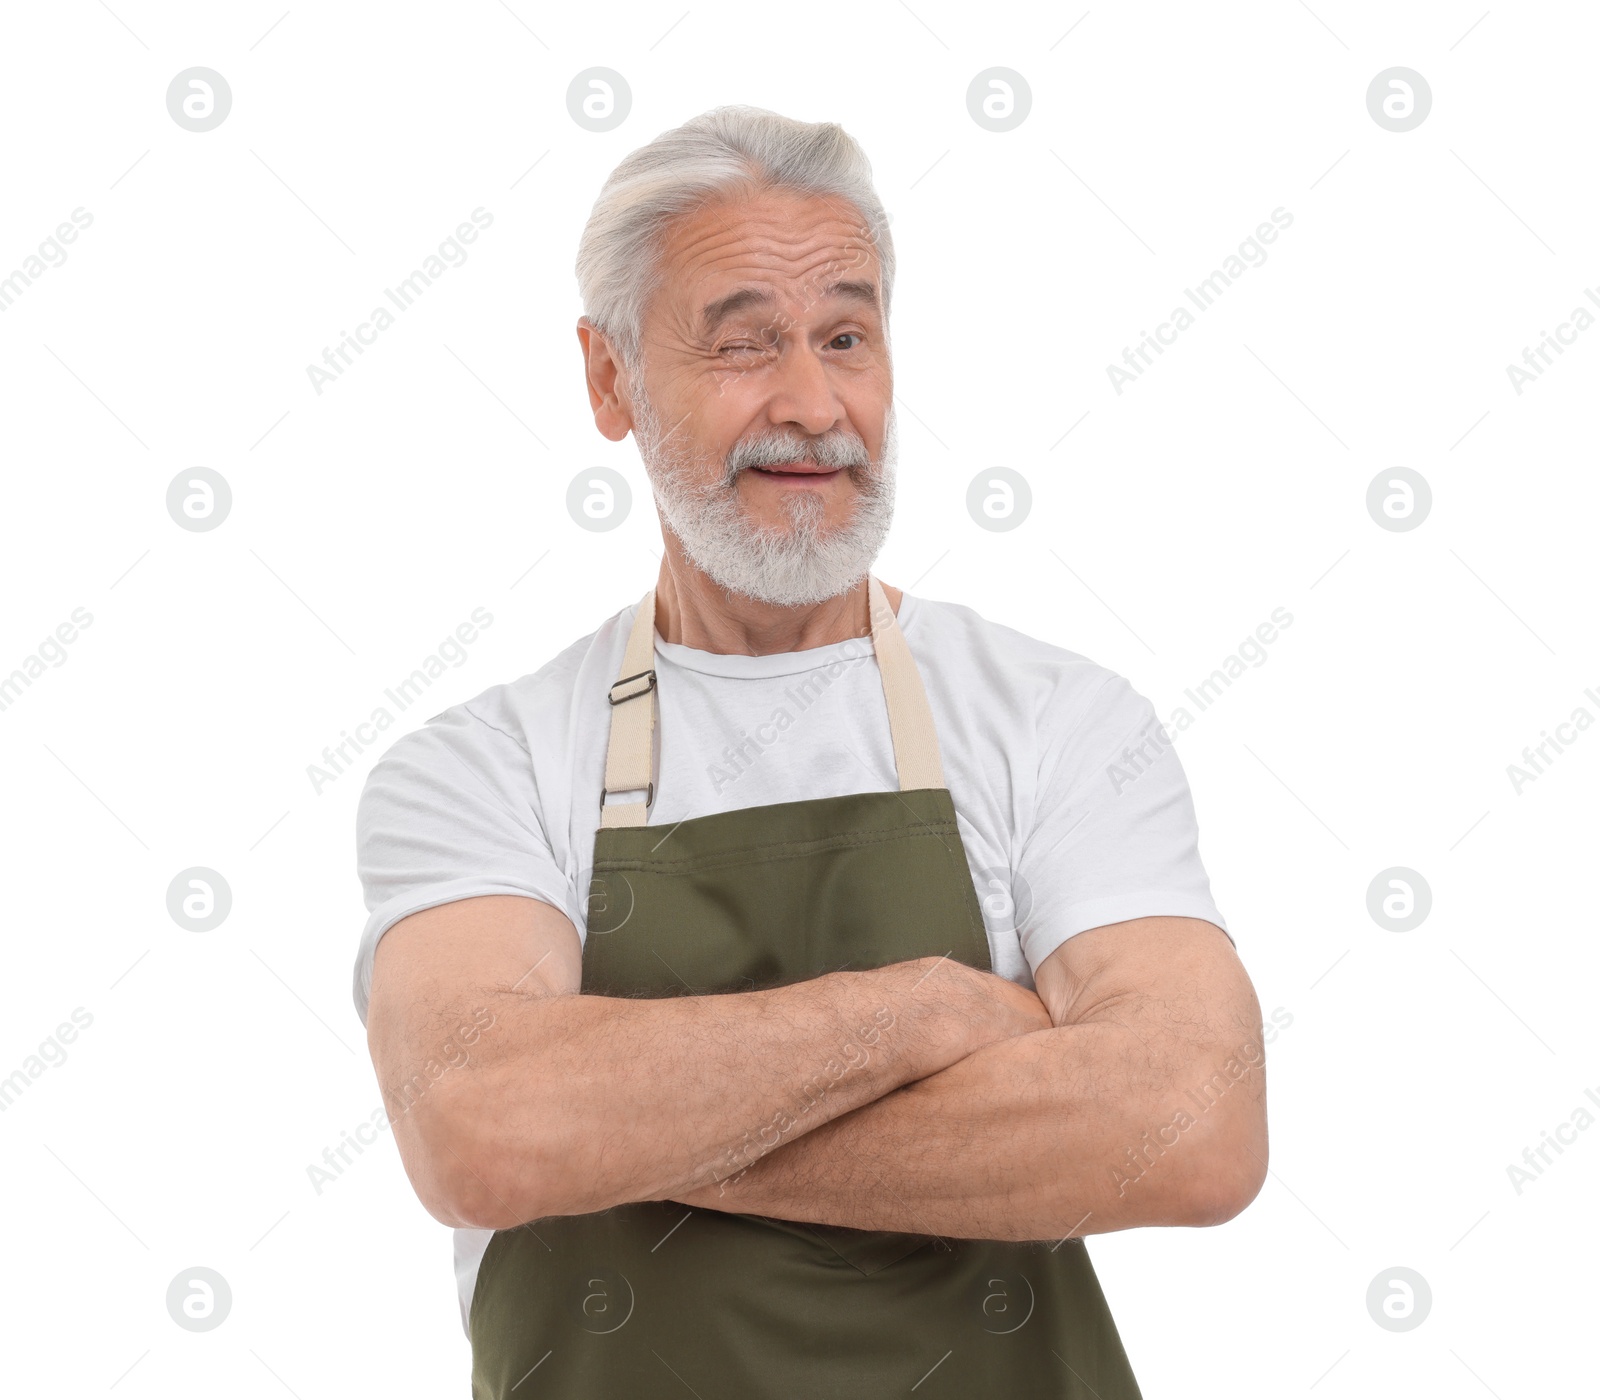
(727, 151)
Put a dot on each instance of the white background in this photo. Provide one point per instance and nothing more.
(370, 520)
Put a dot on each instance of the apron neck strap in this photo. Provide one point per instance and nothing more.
(916, 745)
(629, 751)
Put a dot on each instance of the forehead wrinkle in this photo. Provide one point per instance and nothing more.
(714, 253)
(757, 211)
(715, 247)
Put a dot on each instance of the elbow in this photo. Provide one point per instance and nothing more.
(464, 1170)
(471, 1198)
(1225, 1179)
(1215, 1197)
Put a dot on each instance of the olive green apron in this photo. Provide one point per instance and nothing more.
(655, 1298)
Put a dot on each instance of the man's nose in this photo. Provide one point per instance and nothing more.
(804, 395)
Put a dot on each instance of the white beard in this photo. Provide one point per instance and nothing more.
(796, 567)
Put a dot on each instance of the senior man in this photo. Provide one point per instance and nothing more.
(742, 1094)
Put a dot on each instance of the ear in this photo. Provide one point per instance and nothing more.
(606, 380)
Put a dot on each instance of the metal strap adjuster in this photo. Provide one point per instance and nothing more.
(649, 796)
(650, 684)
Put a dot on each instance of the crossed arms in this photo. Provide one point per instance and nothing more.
(926, 1096)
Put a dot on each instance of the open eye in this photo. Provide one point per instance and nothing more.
(846, 335)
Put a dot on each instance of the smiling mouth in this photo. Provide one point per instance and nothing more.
(797, 470)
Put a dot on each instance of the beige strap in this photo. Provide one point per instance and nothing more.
(633, 721)
(916, 744)
(629, 753)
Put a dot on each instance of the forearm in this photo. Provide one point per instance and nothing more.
(641, 1098)
(1053, 1133)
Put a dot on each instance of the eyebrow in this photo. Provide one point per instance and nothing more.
(716, 312)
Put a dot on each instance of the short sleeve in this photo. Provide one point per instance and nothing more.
(447, 813)
(1115, 835)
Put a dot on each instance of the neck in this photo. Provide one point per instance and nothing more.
(694, 611)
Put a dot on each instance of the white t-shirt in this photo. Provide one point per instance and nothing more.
(1071, 802)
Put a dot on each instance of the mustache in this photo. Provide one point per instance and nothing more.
(839, 448)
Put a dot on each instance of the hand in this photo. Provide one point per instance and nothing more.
(986, 1007)
(1018, 1006)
